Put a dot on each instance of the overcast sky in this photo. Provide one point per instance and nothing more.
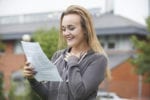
(13, 7)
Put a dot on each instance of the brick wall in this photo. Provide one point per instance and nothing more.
(10, 62)
(125, 82)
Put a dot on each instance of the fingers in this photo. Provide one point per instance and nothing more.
(67, 56)
(80, 55)
(28, 70)
(27, 63)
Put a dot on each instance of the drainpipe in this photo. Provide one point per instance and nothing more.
(140, 87)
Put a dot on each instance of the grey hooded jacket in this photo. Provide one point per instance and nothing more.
(81, 77)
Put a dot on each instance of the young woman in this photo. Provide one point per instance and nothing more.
(82, 65)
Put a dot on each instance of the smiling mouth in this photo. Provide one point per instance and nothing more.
(69, 38)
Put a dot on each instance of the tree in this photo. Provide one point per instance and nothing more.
(48, 39)
(21, 90)
(34, 96)
(2, 49)
(16, 93)
(2, 45)
(142, 59)
(1, 87)
(148, 23)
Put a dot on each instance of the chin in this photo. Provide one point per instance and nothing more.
(70, 44)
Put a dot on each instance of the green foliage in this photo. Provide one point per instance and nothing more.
(26, 94)
(14, 94)
(148, 23)
(48, 40)
(34, 96)
(142, 60)
(1, 87)
(2, 47)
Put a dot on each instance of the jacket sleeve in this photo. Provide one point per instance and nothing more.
(40, 88)
(82, 86)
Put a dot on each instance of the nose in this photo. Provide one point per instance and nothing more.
(66, 32)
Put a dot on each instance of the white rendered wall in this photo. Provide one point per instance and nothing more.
(122, 43)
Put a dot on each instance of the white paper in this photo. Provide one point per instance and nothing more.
(46, 70)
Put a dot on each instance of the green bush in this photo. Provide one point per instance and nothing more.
(1, 87)
(14, 94)
(48, 39)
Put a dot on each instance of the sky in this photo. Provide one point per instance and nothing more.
(14, 7)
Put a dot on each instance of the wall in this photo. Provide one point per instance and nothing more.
(122, 42)
(10, 62)
(125, 82)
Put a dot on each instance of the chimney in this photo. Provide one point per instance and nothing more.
(109, 6)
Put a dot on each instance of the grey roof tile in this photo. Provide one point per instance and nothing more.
(117, 58)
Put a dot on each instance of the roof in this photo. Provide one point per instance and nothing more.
(114, 24)
(118, 57)
(16, 31)
(106, 24)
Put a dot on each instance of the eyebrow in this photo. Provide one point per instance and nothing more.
(68, 26)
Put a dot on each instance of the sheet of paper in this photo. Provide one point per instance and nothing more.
(46, 70)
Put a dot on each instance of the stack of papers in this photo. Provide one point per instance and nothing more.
(46, 70)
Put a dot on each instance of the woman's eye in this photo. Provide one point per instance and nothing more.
(71, 28)
(63, 29)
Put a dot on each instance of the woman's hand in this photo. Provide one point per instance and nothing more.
(28, 71)
(79, 55)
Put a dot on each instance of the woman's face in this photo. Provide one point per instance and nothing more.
(72, 30)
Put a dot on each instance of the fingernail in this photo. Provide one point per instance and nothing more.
(35, 72)
(28, 64)
(65, 59)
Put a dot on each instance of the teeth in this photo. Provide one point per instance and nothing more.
(69, 38)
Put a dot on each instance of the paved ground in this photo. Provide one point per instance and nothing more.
(140, 98)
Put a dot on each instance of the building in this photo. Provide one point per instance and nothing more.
(114, 32)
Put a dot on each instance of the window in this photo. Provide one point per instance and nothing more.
(18, 48)
(103, 45)
(111, 45)
(2, 47)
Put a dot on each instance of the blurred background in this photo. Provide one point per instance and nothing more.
(122, 26)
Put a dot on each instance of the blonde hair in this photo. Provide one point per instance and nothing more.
(87, 25)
